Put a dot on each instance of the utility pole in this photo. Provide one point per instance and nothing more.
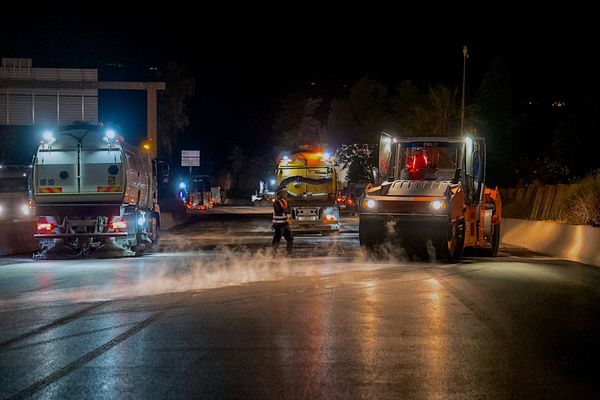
(462, 106)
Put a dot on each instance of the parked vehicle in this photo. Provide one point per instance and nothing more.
(15, 192)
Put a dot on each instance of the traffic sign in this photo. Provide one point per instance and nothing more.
(190, 158)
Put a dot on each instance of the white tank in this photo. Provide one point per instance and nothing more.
(80, 170)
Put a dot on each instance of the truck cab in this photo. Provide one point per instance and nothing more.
(310, 178)
(15, 192)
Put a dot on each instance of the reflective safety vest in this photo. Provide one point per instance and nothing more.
(279, 214)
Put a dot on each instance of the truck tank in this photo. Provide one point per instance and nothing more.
(311, 182)
(92, 190)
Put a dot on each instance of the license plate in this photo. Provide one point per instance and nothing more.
(307, 218)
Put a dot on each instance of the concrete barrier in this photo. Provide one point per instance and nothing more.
(579, 243)
(17, 237)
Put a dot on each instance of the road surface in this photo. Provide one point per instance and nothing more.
(215, 315)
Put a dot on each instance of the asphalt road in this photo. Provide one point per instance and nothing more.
(215, 315)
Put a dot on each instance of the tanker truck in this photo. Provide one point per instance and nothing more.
(92, 191)
(310, 178)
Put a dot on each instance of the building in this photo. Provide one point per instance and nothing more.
(44, 105)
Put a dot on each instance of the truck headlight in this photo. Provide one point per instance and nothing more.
(370, 203)
(438, 204)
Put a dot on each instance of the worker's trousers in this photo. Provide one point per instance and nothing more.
(285, 231)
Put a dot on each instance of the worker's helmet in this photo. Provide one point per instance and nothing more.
(281, 191)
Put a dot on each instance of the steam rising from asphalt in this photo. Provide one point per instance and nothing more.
(223, 266)
(193, 263)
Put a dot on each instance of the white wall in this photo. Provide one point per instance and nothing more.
(579, 243)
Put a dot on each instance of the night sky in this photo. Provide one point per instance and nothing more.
(244, 64)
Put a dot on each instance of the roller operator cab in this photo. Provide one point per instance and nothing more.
(310, 178)
(431, 197)
(92, 190)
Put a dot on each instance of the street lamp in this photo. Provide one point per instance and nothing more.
(462, 106)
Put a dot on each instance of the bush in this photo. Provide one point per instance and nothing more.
(582, 202)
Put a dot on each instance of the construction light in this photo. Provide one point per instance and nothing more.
(141, 221)
(25, 209)
(147, 145)
(182, 185)
(110, 134)
(49, 137)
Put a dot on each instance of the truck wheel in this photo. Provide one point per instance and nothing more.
(139, 249)
(155, 233)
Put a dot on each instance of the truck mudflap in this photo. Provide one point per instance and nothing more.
(423, 235)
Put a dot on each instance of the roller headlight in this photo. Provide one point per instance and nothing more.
(371, 203)
(438, 204)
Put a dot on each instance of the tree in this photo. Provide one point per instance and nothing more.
(172, 117)
(237, 162)
(359, 160)
(438, 112)
(362, 116)
(404, 105)
(297, 121)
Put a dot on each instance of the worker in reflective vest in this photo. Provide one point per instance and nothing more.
(281, 225)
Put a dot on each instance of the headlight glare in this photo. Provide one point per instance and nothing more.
(438, 204)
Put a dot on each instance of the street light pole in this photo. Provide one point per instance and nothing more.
(462, 107)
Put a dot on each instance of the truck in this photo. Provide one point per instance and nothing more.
(199, 194)
(310, 178)
(348, 197)
(92, 190)
(263, 196)
(15, 192)
(432, 196)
